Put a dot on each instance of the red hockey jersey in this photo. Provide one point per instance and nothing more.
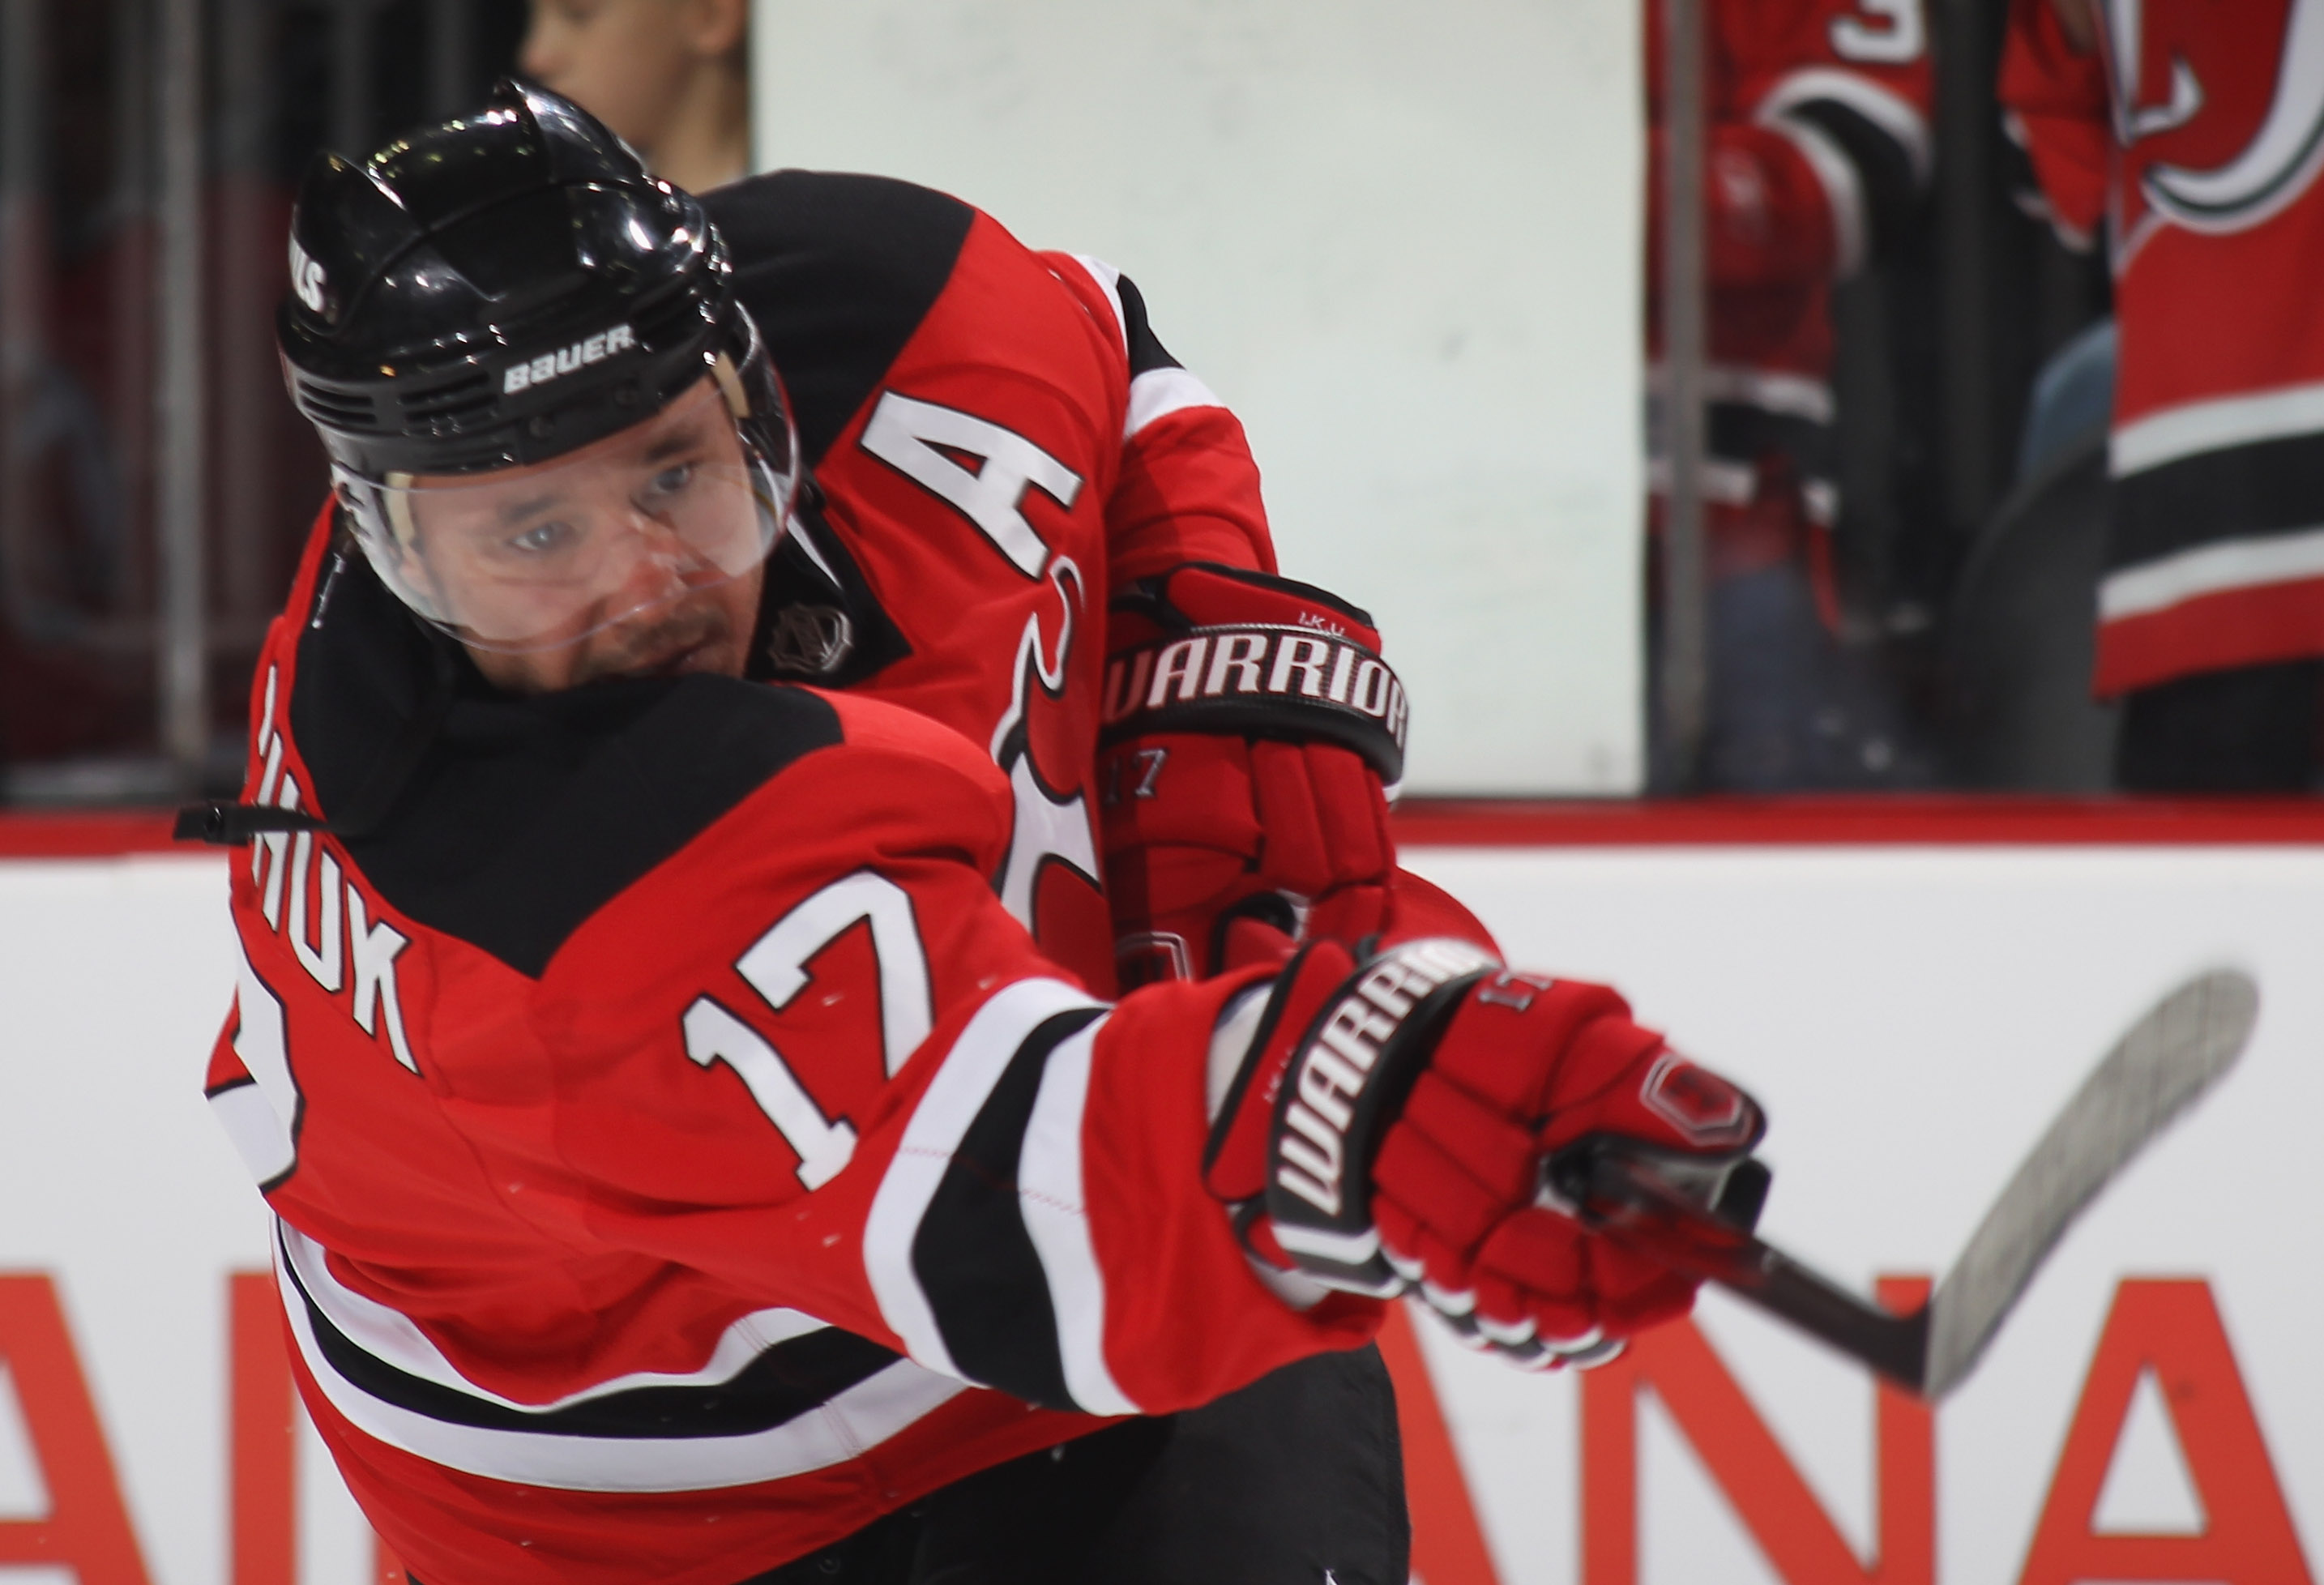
(1819, 151)
(2196, 136)
(681, 1152)
(674, 1140)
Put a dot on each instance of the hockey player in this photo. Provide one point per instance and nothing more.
(684, 1163)
(908, 275)
(2191, 134)
(1819, 154)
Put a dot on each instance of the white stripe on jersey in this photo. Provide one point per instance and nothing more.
(1724, 484)
(1050, 1200)
(1108, 282)
(387, 1334)
(834, 1433)
(963, 1082)
(1844, 189)
(1879, 103)
(1158, 393)
(2210, 569)
(1772, 390)
(2192, 427)
(256, 1130)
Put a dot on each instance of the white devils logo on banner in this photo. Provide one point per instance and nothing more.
(2274, 167)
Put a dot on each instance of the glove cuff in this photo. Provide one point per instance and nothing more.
(1225, 650)
(1347, 1079)
(1254, 679)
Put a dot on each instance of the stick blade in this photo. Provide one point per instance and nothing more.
(2169, 1058)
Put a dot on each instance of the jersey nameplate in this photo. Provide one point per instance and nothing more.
(331, 926)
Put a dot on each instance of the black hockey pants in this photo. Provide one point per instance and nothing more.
(1296, 1479)
(2250, 730)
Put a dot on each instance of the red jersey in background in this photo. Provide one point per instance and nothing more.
(2194, 134)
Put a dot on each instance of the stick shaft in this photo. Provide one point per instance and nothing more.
(1627, 1201)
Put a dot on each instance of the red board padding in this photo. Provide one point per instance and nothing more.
(1842, 821)
(89, 835)
(1713, 821)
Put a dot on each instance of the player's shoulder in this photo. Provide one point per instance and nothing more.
(843, 272)
(873, 728)
(897, 234)
(838, 270)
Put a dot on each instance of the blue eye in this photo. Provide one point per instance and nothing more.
(543, 538)
(671, 481)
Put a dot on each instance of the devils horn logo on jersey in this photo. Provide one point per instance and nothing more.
(1709, 1113)
(2282, 159)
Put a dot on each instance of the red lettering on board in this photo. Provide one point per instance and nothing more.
(86, 1527)
(262, 1435)
(264, 1440)
(1448, 1548)
(2173, 1329)
(1798, 1538)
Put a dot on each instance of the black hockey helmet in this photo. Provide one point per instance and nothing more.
(500, 291)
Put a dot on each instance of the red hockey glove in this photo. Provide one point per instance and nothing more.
(1388, 1129)
(1249, 726)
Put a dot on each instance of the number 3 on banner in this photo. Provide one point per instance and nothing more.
(1897, 34)
(776, 968)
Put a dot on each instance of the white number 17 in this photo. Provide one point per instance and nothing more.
(776, 968)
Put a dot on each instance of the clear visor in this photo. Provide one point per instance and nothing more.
(532, 559)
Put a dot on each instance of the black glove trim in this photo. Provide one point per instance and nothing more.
(1256, 679)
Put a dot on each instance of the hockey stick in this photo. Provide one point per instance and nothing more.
(2155, 1072)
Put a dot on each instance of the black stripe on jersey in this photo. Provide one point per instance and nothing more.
(526, 815)
(1892, 195)
(791, 1378)
(1738, 432)
(838, 271)
(976, 1261)
(2265, 487)
(1146, 352)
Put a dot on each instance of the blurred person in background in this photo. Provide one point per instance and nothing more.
(671, 78)
(1818, 156)
(2191, 134)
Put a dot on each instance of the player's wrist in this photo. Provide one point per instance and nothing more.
(1240, 654)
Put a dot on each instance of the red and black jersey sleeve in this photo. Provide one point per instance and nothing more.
(1187, 489)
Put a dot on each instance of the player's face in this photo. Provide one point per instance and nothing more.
(636, 556)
